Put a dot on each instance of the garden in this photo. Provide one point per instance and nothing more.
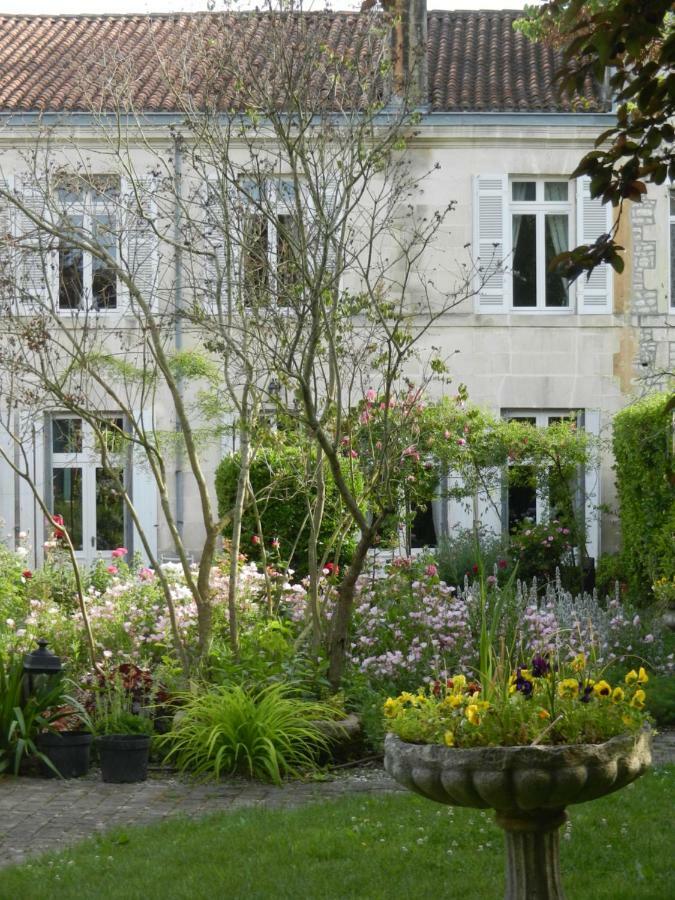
(483, 643)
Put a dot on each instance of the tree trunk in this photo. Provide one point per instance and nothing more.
(315, 519)
(339, 632)
(242, 484)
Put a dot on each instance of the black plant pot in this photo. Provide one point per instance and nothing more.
(124, 757)
(68, 752)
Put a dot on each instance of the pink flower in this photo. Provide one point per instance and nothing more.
(502, 563)
(146, 574)
(461, 442)
(112, 570)
(431, 570)
(446, 435)
(370, 395)
(121, 551)
(275, 543)
(491, 580)
(26, 574)
(255, 539)
(353, 454)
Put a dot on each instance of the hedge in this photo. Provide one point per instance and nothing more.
(643, 452)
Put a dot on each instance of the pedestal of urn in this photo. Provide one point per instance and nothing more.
(528, 787)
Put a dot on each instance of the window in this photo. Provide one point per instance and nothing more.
(88, 207)
(270, 245)
(528, 496)
(540, 230)
(521, 222)
(672, 247)
(84, 490)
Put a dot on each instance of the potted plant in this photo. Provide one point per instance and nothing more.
(66, 746)
(526, 746)
(123, 727)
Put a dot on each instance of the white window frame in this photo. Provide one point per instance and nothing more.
(540, 208)
(88, 460)
(88, 209)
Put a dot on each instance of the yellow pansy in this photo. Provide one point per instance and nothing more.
(449, 739)
(391, 708)
(568, 688)
(458, 682)
(472, 714)
(406, 697)
(631, 677)
(642, 678)
(638, 700)
(618, 695)
(602, 689)
(578, 663)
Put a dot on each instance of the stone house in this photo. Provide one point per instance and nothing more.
(497, 139)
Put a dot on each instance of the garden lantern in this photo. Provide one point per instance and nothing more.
(39, 667)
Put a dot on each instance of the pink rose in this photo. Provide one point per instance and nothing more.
(255, 539)
(112, 570)
(431, 570)
(370, 395)
(121, 551)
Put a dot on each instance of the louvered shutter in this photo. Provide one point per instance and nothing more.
(143, 495)
(591, 424)
(594, 295)
(491, 242)
(142, 262)
(6, 255)
(37, 261)
(214, 276)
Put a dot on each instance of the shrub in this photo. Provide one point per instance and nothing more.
(264, 734)
(642, 441)
(661, 700)
(279, 482)
(458, 556)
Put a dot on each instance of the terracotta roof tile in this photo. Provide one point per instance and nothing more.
(477, 63)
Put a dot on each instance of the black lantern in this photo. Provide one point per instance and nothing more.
(40, 666)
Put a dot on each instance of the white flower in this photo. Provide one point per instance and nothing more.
(10, 623)
(23, 535)
(21, 552)
(107, 654)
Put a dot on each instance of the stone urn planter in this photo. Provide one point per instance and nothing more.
(528, 787)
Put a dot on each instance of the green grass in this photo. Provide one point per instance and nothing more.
(396, 846)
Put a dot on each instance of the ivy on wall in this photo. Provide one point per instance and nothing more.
(643, 450)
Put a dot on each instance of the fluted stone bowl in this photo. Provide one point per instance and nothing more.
(518, 779)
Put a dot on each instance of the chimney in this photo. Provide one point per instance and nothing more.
(409, 50)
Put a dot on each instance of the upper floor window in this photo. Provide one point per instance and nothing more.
(521, 223)
(270, 265)
(88, 207)
(540, 230)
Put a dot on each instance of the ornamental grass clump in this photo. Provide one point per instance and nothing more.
(538, 704)
(266, 734)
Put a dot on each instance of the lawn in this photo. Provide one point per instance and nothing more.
(396, 846)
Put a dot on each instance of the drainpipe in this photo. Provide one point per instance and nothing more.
(178, 322)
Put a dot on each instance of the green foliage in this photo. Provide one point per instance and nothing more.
(661, 700)
(264, 734)
(643, 441)
(457, 557)
(609, 570)
(283, 495)
(123, 722)
(22, 718)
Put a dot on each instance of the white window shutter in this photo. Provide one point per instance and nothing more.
(6, 255)
(37, 260)
(144, 497)
(491, 242)
(33, 433)
(142, 258)
(591, 421)
(7, 485)
(594, 294)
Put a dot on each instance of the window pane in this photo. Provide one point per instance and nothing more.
(522, 495)
(103, 278)
(672, 203)
(109, 509)
(557, 241)
(66, 435)
(672, 263)
(67, 494)
(112, 435)
(524, 190)
(256, 259)
(422, 529)
(556, 191)
(287, 271)
(524, 261)
(70, 278)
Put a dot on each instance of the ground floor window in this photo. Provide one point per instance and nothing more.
(86, 483)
